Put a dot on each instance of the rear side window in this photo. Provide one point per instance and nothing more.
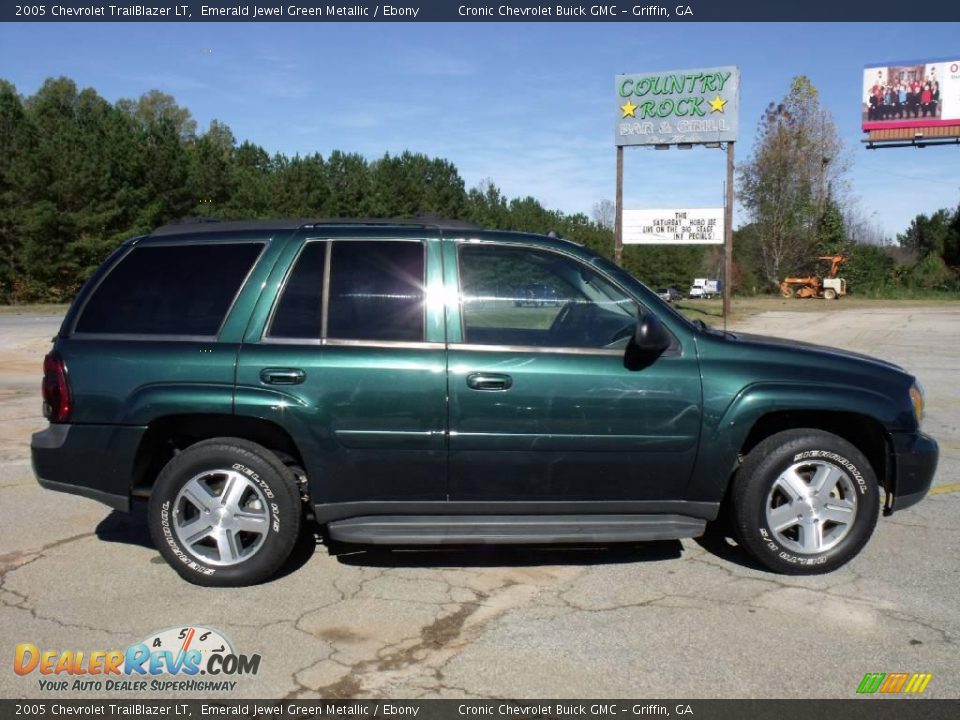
(169, 290)
(299, 312)
(376, 291)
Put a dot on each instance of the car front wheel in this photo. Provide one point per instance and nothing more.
(805, 502)
(225, 512)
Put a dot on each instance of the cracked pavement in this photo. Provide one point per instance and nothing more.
(669, 619)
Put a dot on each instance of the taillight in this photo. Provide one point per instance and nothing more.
(55, 389)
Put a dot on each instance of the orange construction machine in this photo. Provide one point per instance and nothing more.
(829, 287)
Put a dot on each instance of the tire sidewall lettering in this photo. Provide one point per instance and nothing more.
(252, 474)
(839, 460)
(267, 491)
(169, 538)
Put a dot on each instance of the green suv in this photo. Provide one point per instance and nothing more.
(388, 381)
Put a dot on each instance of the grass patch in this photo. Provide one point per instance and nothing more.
(711, 311)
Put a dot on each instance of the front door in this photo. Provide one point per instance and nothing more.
(542, 404)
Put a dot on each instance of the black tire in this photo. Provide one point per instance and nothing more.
(272, 491)
(808, 452)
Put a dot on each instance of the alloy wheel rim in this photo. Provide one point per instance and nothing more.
(811, 507)
(221, 516)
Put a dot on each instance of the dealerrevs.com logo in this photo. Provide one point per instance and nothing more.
(176, 659)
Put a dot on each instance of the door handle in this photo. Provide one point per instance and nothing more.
(282, 376)
(489, 381)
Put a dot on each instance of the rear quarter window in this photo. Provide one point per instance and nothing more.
(169, 290)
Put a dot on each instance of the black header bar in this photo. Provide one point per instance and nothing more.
(473, 11)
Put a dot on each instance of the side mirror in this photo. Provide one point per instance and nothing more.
(650, 337)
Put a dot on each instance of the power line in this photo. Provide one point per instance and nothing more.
(908, 177)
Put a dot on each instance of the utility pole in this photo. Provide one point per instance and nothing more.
(618, 212)
(728, 238)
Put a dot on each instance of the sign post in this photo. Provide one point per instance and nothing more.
(728, 238)
(618, 211)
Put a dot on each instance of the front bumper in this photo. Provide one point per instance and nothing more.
(95, 461)
(914, 465)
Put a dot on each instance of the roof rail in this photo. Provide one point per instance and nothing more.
(182, 225)
(193, 220)
(418, 220)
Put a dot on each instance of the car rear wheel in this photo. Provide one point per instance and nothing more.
(805, 502)
(225, 512)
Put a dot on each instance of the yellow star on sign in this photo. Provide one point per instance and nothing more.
(629, 109)
(716, 105)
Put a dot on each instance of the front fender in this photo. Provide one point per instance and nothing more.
(726, 430)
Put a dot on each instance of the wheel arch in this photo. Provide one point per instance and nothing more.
(864, 432)
(861, 415)
(166, 436)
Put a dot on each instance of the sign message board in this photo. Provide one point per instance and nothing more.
(674, 226)
(678, 107)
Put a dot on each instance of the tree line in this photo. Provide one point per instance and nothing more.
(79, 175)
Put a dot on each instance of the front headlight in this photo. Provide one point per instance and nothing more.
(916, 397)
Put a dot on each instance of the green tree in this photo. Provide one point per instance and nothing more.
(15, 145)
(831, 229)
(299, 186)
(928, 235)
(784, 185)
(411, 184)
(155, 106)
(349, 186)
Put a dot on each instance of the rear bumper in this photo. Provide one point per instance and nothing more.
(95, 461)
(915, 458)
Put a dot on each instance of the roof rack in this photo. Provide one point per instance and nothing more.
(183, 225)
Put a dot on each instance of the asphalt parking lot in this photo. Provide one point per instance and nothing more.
(671, 619)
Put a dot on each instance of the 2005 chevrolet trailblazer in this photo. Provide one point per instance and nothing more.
(383, 379)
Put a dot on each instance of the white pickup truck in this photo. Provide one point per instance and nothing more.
(704, 288)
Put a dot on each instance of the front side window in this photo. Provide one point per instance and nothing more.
(376, 291)
(529, 297)
(183, 290)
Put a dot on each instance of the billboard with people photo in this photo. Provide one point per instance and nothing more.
(911, 94)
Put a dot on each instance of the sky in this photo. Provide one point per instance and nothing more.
(529, 106)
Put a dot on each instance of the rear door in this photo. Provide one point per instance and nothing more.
(350, 359)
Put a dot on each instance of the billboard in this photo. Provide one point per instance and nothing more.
(911, 94)
(678, 106)
(673, 226)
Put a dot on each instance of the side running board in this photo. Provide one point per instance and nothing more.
(510, 529)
